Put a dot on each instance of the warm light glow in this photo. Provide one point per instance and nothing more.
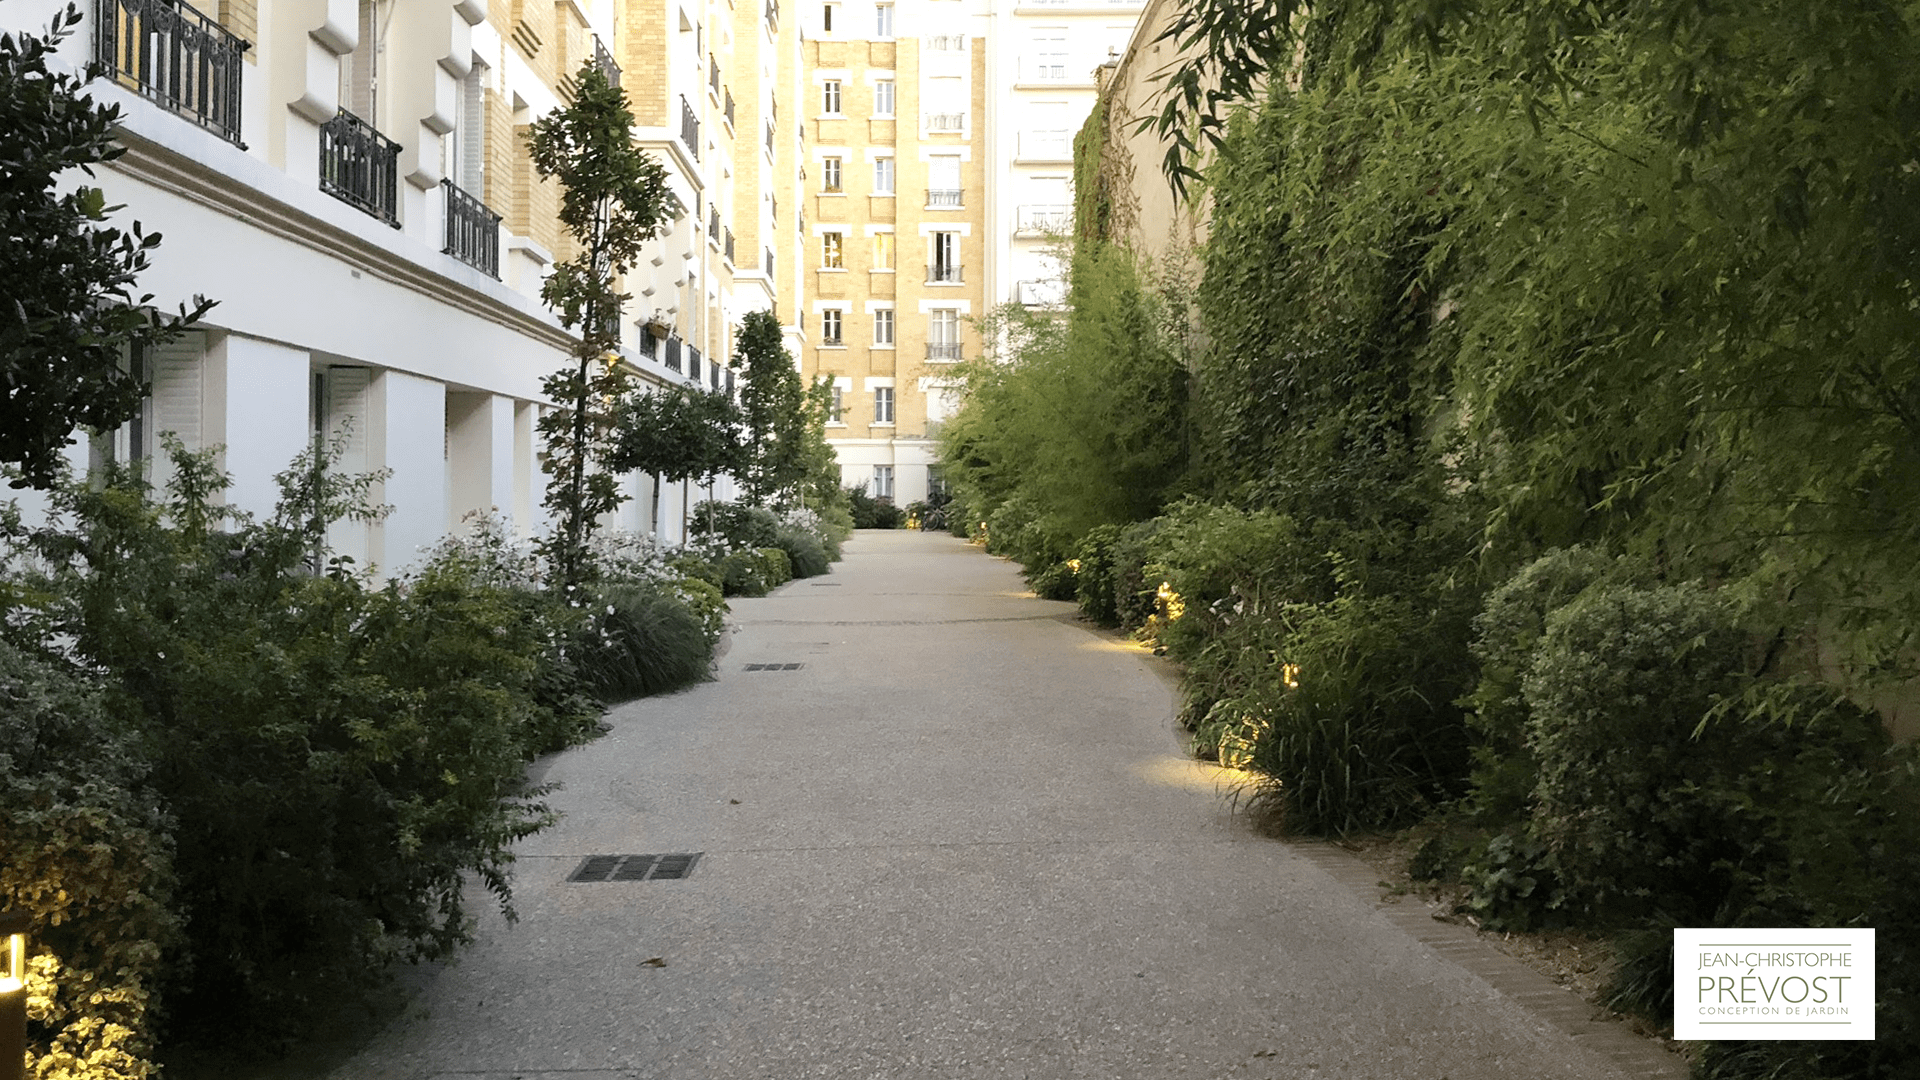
(1290, 674)
(1170, 602)
(1073, 565)
(1191, 774)
(16, 976)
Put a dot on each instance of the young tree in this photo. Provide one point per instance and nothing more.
(775, 408)
(613, 196)
(69, 315)
(677, 433)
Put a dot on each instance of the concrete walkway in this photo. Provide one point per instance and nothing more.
(959, 842)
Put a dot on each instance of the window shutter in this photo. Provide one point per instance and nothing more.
(347, 414)
(179, 371)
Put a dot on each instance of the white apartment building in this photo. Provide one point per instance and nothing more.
(1041, 61)
(350, 180)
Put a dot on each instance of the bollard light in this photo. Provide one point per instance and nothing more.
(13, 995)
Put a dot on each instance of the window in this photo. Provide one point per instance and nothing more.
(883, 251)
(830, 327)
(943, 180)
(830, 168)
(831, 256)
(883, 410)
(883, 20)
(943, 334)
(830, 96)
(883, 480)
(883, 176)
(834, 410)
(883, 326)
(1050, 53)
(883, 97)
(945, 264)
(826, 17)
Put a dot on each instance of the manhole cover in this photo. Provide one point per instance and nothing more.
(773, 667)
(634, 867)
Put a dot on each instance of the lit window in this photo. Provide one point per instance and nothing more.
(830, 167)
(831, 254)
(830, 326)
(883, 98)
(883, 327)
(883, 176)
(883, 414)
(883, 251)
(830, 96)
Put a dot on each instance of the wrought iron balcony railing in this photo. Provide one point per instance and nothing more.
(713, 376)
(728, 245)
(713, 73)
(944, 197)
(944, 275)
(943, 350)
(727, 109)
(693, 363)
(473, 230)
(649, 345)
(690, 129)
(604, 60)
(360, 167)
(713, 224)
(956, 121)
(673, 353)
(176, 57)
(1044, 219)
(773, 14)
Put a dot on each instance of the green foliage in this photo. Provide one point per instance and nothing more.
(1085, 418)
(737, 524)
(678, 433)
(806, 552)
(613, 196)
(70, 313)
(785, 420)
(754, 571)
(86, 850)
(1507, 631)
(871, 513)
(641, 639)
(337, 758)
(1350, 721)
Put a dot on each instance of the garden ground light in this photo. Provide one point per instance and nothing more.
(13, 996)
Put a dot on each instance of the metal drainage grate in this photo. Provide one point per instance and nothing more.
(825, 584)
(773, 667)
(634, 867)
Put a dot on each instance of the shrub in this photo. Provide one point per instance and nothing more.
(871, 513)
(338, 759)
(1093, 575)
(1052, 581)
(692, 565)
(1628, 802)
(805, 551)
(1353, 725)
(1133, 593)
(754, 572)
(643, 639)
(1505, 634)
(86, 850)
(740, 525)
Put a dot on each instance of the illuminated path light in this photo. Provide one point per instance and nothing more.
(961, 841)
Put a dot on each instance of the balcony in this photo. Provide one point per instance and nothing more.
(1036, 220)
(769, 140)
(693, 363)
(359, 166)
(769, 262)
(603, 60)
(673, 353)
(943, 350)
(947, 274)
(473, 231)
(690, 129)
(1046, 145)
(944, 198)
(649, 345)
(713, 74)
(773, 15)
(727, 110)
(713, 376)
(947, 43)
(176, 57)
(713, 224)
(950, 122)
(727, 246)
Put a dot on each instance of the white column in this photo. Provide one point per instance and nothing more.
(480, 455)
(411, 440)
(262, 412)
